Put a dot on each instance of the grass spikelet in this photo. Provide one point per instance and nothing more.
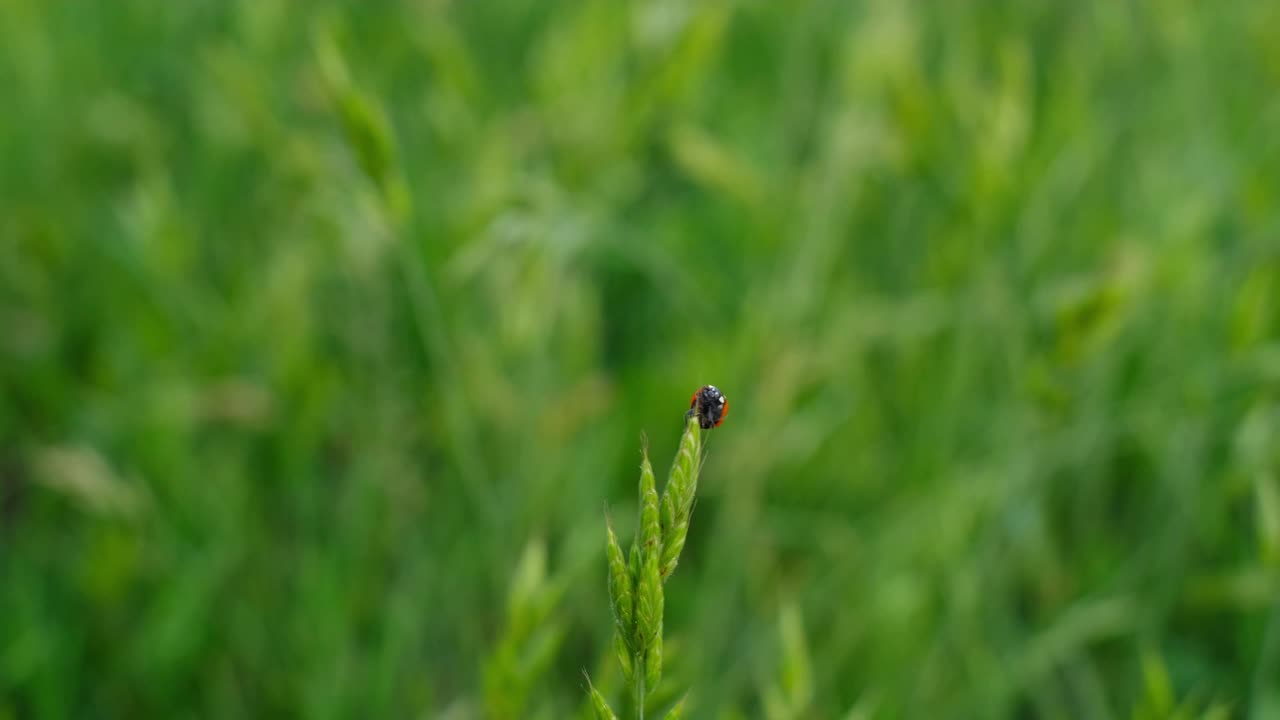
(622, 649)
(668, 515)
(673, 544)
(621, 586)
(653, 661)
(648, 614)
(677, 711)
(650, 527)
(678, 497)
(649, 601)
(599, 704)
(634, 566)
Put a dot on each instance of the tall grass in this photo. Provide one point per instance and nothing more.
(324, 328)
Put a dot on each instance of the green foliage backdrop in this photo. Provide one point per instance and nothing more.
(328, 331)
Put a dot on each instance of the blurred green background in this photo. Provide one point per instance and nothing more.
(328, 332)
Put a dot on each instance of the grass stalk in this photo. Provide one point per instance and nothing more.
(640, 692)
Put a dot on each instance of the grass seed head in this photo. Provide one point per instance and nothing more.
(635, 582)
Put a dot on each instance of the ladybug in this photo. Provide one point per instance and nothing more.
(709, 405)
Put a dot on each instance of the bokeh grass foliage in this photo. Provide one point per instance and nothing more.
(327, 329)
